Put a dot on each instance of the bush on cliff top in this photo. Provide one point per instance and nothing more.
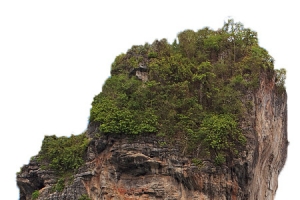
(63, 154)
(193, 90)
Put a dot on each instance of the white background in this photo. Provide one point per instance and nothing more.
(56, 55)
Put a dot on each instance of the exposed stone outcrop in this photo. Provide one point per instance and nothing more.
(271, 136)
(140, 72)
(124, 167)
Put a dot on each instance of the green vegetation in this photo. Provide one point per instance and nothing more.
(194, 90)
(84, 197)
(220, 159)
(197, 162)
(60, 185)
(35, 195)
(121, 109)
(221, 134)
(63, 155)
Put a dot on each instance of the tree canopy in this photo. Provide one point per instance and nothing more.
(193, 90)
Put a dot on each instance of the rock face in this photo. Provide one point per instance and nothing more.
(134, 168)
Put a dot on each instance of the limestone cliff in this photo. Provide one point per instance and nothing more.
(204, 118)
(126, 167)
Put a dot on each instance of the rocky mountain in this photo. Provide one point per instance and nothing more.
(185, 162)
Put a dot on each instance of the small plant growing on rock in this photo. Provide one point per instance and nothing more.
(60, 185)
(35, 195)
(220, 159)
(197, 162)
(162, 143)
(84, 197)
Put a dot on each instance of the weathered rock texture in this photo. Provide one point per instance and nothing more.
(142, 167)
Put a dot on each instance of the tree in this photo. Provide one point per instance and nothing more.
(187, 42)
(204, 78)
(194, 91)
(221, 134)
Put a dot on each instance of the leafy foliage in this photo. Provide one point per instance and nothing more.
(35, 195)
(84, 197)
(197, 162)
(220, 132)
(220, 159)
(60, 185)
(63, 154)
(121, 109)
(194, 89)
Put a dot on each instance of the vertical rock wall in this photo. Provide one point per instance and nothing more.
(271, 130)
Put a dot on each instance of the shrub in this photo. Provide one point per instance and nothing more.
(221, 134)
(35, 195)
(84, 197)
(197, 162)
(152, 55)
(220, 159)
(63, 154)
(60, 185)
